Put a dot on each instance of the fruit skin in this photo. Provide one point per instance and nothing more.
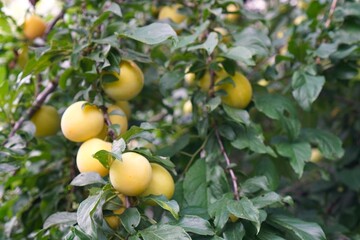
(226, 38)
(115, 119)
(129, 84)
(316, 155)
(232, 17)
(205, 82)
(34, 27)
(170, 12)
(233, 218)
(131, 175)
(161, 183)
(46, 121)
(114, 221)
(238, 96)
(84, 158)
(80, 124)
(125, 106)
(187, 108)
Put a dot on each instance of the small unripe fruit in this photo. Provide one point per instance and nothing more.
(85, 160)
(161, 183)
(187, 108)
(129, 84)
(189, 78)
(81, 122)
(316, 155)
(34, 27)
(233, 218)
(170, 12)
(131, 175)
(46, 120)
(234, 15)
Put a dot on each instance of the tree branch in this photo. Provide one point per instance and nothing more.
(111, 133)
(331, 13)
(53, 22)
(228, 164)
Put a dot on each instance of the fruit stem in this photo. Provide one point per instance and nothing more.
(40, 99)
(331, 13)
(111, 132)
(228, 164)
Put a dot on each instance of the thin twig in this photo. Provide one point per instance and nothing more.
(228, 164)
(53, 22)
(111, 133)
(194, 155)
(40, 99)
(331, 13)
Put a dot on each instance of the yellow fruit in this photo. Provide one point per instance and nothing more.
(79, 123)
(131, 175)
(84, 158)
(129, 84)
(46, 121)
(125, 106)
(187, 108)
(34, 27)
(113, 221)
(171, 12)
(224, 33)
(190, 78)
(205, 82)
(316, 155)
(299, 19)
(234, 14)
(115, 118)
(238, 96)
(161, 183)
(233, 218)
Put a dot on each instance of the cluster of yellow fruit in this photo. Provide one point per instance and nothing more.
(238, 93)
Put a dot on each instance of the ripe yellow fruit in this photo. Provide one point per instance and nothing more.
(189, 78)
(131, 175)
(234, 14)
(129, 84)
(171, 12)
(113, 221)
(316, 155)
(125, 106)
(34, 27)
(115, 118)
(161, 183)
(85, 160)
(79, 123)
(46, 121)
(238, 96)
(187, 108)
(205, 82)
(224, 33)
(233, 218)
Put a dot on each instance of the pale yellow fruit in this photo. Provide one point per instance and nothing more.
(238, 96)
(187, 108)
(34, 27)
(113, 221)
(81, 122)
(190, 79)
(161, 183)
(85, 160)
(171, 12)
(226, 38)
(129, 84)
(115, 118)
(205, 82)
(316, 155)
(125, 106)
(234, 14)
(233, 218)
(299, 19)
(131, 175)
(46, 121)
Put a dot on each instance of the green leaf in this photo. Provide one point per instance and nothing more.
(328, 143)
(175, 147)
(252, 138)
(209, 45)
(245, 209)
(134, 131)
(65, 76)
(255, 41)
(296, 229)
(105, 158)
(267, 234)
(270, 199)
(326, 49)
(350, 177)
(238, 115)
(170, 205)
(164, 232)
(219, 211)
(187, 40)
(195, 224)
(85, 212)
(169, 81)
(255, 184)
(213, 103)
(241, 54)
(155, 158)
(87, 178)
(115, 8)
(130, 219)
(306, 88)
(154, 33)
(117, 148)
(298, 153)
(234, 231)
(195, 186)
(67, 218)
